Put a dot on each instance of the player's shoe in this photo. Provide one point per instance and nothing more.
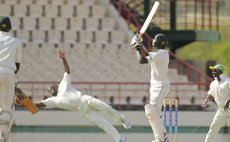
(165, 140)
(156, 141)
(1, 137)
(126, 124)
(122, 139)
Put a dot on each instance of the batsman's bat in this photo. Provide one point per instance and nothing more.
(26, 101)
(149, 18)
(146, 24)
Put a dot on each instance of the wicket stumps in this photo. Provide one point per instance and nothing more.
(170, 103)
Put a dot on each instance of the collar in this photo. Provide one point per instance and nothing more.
(223, 77)
(159, 50)
(5, 33)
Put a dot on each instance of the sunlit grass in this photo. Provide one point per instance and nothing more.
(220, 52)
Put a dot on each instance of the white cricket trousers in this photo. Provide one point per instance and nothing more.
(218, 121)
(158, 92)
(94, 114)
(7, 87)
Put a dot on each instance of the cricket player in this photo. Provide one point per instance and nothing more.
(158, 58)
(64, 96)
(10, 58)
(219, 92)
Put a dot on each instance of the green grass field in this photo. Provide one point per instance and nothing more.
(220, 52)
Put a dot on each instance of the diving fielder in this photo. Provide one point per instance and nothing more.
(160, 84)
(10, 58)
(64, 96)
(219, 92)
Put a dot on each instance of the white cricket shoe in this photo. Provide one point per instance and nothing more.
(1, 139)
(165, 140)
(156, 141)
(126, 124)
(122, 139)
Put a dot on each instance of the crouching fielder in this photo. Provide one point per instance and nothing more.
(64, 96)
(160, 84)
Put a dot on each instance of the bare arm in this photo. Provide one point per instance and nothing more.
(226, 106)
(207, 99)
(66, 65)
(17, 68)
(141, 55)
(137, 44)
(40, 105)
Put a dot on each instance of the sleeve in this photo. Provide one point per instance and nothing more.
(18, 57)
(210, 91)
(152, 57)
(66, 81)
(50, 102)
(229, 83)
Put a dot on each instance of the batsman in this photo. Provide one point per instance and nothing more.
(158, 58)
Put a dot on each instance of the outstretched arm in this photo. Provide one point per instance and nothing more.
(17, 101)
(40, 105)
(62, 56)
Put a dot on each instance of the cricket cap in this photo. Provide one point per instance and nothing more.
(5, 24)
(217, 66)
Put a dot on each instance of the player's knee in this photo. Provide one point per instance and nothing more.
(150, 110)
(5, 116)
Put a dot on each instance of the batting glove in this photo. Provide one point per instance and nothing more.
(136, 42)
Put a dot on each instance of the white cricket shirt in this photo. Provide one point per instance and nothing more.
(159, 62)
(10, 52)
(220, 90)
(67, 97)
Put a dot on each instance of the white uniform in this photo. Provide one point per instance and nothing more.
(160, 86)
(71, 99)
(220, 90)
(10, 53)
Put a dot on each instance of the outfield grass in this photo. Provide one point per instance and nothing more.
(220, 52)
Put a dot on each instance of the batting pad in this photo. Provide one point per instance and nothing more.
(155, 121)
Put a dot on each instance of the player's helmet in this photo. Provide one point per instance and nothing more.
(160, 41)
(5, 24)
